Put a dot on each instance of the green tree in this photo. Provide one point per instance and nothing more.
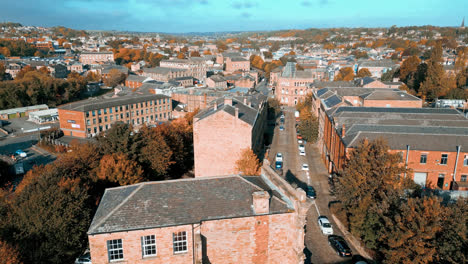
(120, 138)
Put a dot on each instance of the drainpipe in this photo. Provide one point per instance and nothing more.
(456, 162)
(407, 155)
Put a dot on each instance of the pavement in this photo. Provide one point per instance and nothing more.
(317, 249)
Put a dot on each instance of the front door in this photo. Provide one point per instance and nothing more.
(440, 181)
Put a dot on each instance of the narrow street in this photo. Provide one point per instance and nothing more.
(317, 176)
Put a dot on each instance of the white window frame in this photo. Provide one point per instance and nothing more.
(179, 241)
(115, 250)
(148, 244)
(465, 161)
(442, 158)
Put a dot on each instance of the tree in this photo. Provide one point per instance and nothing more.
(49, 219)
(8, 254)
(369, 187)
(181, 55)
(364, 72)
(2, 72)
(117, 168)
(5, 51)
(93, 77)
(431, 88)
(114, 78)
(120, 138)
(453, 235)
(409, 235)
(409, 67)
(155, 155)
(194, 54)
(256, 61)
(345, 74)
(248, 163)
(308, 126)
(267, 55)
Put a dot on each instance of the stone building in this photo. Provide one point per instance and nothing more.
(225, 219)
(293, 85)
(96, 57)
(223, 130)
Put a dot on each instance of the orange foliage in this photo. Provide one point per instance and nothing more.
(8, 254)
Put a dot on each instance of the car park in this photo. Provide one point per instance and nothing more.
(279, 156)
(310, 192)
(305, 167)
(302, 153)
(325, 225)
(340, 246)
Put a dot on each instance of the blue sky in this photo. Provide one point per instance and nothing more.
(179, 16)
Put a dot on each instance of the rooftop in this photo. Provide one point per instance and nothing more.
(179, 202)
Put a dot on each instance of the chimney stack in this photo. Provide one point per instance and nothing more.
(228, 101)
(215, 107)
(236, 112)
(245, 100)
(261, 202)
(343, 131)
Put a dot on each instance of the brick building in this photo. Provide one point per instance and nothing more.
(165, 74)
(196, 98)
(223, 130)
(96, 57)
(293, 86)
(228, 219)
(246, 81)
(431, 141)
(136, 81)
(216, 81)
(89, 117)
(378, 67)
(237, 64)
(195, 68)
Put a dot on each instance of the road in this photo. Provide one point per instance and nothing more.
(286, 143)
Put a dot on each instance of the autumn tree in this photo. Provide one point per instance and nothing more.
(267, 55)
(8, 254)
(368, 186)
(256, 61)
(364, 72)
(345, 74)
(93, 77)
(431, 88)
(2, 72)
(453, 236)
(194, 54)
(248, 163)
(181, 55)
(114, 78)
(409, 235)
(409, 68)
(155, 156)
(117, 168)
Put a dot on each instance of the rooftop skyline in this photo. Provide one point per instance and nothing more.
(179, 16)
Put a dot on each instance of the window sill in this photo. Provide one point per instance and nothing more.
(180, 253)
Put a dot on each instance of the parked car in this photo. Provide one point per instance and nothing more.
(301, 147)
(84, 259)
(279, 156)
(281, 128)
(21, 153)
(300, 141)
(340, 246)
(325, 225)
(299, 136)
(302, 152)
(310, 192)
(305, 167)
(282, 116)
(278, 165)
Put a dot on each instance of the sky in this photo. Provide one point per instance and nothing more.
(180, 16)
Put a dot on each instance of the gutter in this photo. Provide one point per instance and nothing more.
(407, 156)
(456, 162)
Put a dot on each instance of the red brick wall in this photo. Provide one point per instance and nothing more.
(216, 147)
(69, 122)
(259, 239)
(286, 90)
(131, 242)
(232, 66)
(133, 84)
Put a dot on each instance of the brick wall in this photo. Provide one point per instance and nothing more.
(72, 123)
(218, 141)
(131, 242)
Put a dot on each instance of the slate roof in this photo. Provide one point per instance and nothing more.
(425, 129)
(247, 113)
(136, 78)
(377, 63)
(390, 95)
(179, 202)
(162, 70)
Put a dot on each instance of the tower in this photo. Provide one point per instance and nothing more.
(463, 23)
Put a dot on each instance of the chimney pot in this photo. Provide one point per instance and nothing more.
(228, 101)
(261, 202)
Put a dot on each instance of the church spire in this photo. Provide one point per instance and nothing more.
(463, 23)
